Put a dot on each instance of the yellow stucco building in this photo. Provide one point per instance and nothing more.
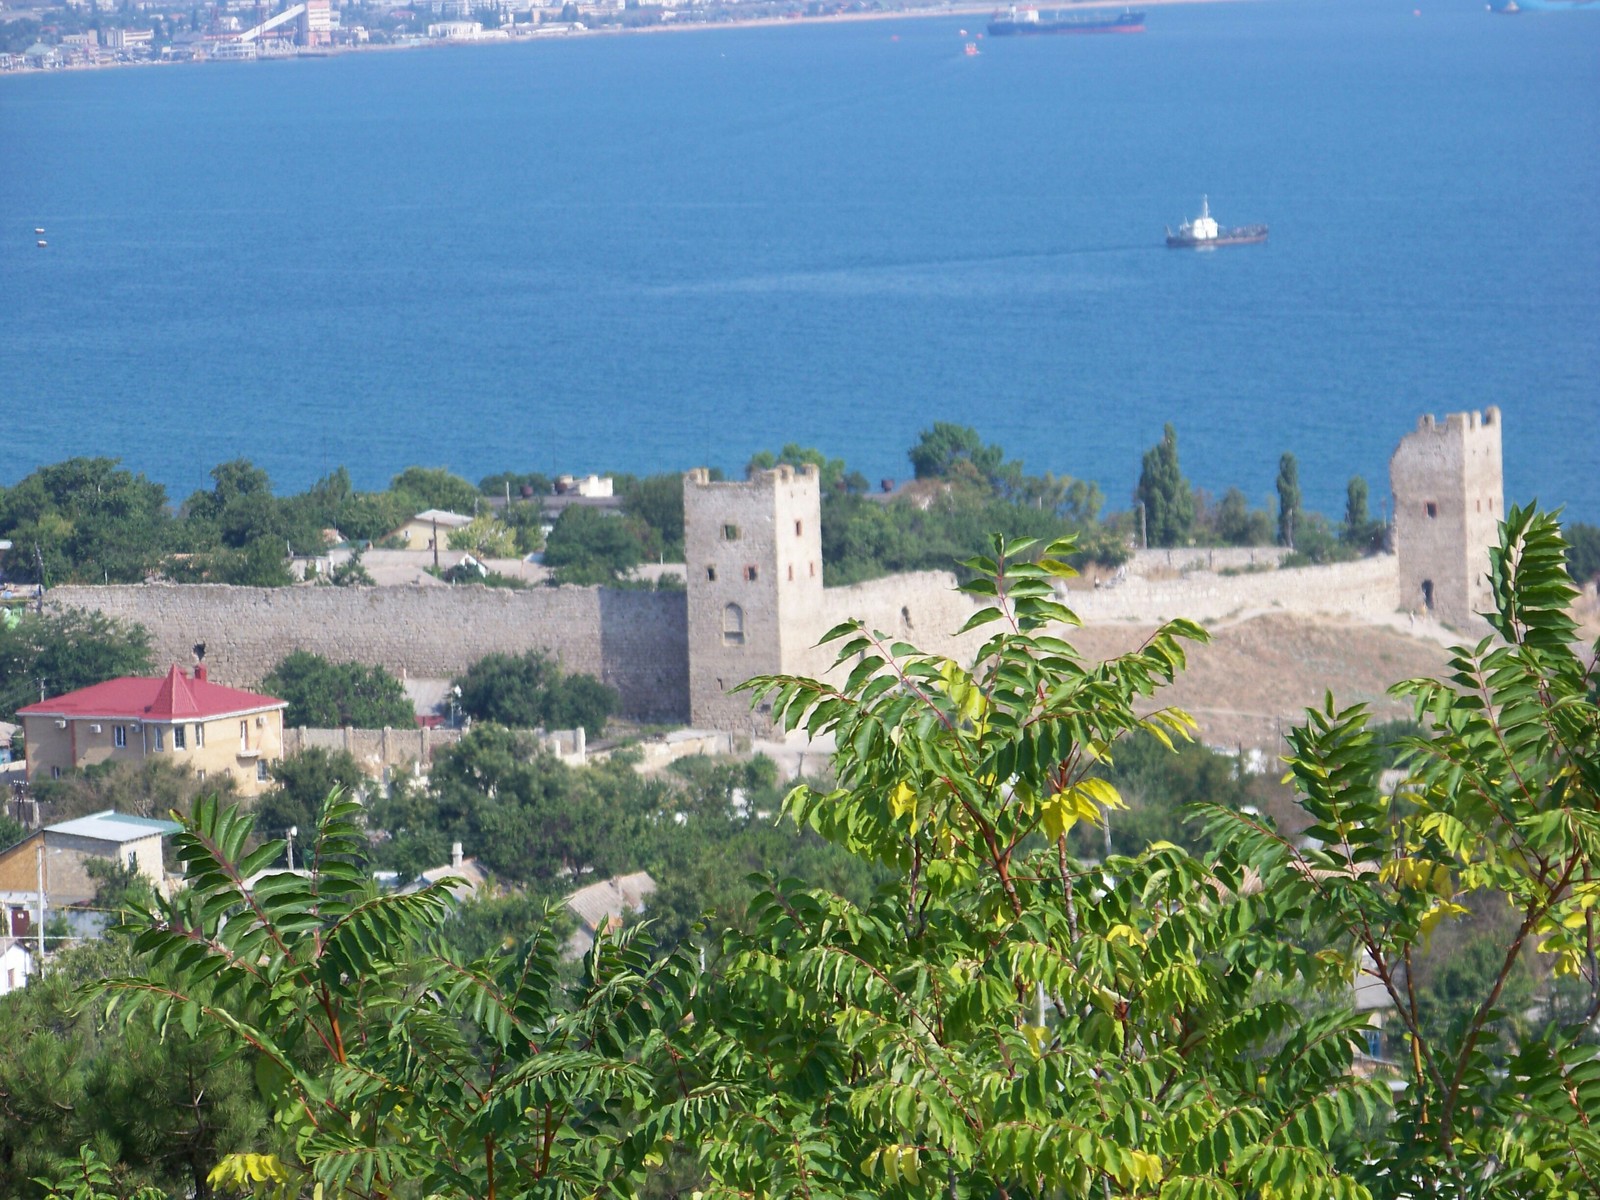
(212, 729)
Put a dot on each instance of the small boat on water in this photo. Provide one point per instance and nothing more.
(972, 50)
(1203, 232)
(41, 243)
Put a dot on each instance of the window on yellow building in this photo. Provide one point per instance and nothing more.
(179, 738)
(119, 736)
(160, 738)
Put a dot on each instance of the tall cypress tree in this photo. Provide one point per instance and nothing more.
(1165, 494)
(1288, 499)
(1356, 518)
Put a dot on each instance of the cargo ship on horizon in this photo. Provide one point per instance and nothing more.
(1022, 22)
(1203, 232)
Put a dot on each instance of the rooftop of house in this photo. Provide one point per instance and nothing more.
(170, 697)
(439, 516)
(610, 899)
(112, 826)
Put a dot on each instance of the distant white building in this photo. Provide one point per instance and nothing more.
(456, 31)
(594, 487)
(16, 965)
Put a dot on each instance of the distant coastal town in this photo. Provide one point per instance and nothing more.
(81, 34)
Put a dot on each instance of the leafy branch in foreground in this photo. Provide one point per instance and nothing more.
(390, 1063)
(1005, 1020)
(1500, 807)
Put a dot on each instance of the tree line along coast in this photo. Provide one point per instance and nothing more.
(93, 521)
(1020, 937)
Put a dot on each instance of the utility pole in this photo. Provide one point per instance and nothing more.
(41, 901)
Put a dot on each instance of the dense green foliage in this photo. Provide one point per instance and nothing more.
(531, 691)
(1164, 494)
(586, 546)
(163, 1113)
(301, 783)
(89, 520)
(999, 1017)
(152, 787)
(435, 487)
(60, 652)
(323, 694)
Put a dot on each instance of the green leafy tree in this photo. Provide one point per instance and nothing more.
(656, 502)
(158, 1113)
(323, 694)
(1500, 807)
(950, 451)
(485, 537)
(1237, 524)
(154, 787)
(352, 572)
(1165, 494)
(588, 547)
(301, 783)
(1003, 1019)
(368, 516)
(1288, 485)
(92, 521)
(66, 650)
(395, 1068)
(435, 487)
(526, 691)
(1356, 518)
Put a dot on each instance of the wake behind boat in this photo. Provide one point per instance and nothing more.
(1022, 22)
(1203, 232)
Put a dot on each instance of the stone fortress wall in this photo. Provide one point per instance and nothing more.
(634, 641)
(755, 601)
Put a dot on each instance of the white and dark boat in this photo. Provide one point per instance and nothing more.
(1203, 232)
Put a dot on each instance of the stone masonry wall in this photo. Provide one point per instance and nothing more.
(636, 642)
(378, 750)
(925, 609)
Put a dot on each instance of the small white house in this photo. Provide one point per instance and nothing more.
(16, 964)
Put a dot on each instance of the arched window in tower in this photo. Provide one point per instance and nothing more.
(732, 625)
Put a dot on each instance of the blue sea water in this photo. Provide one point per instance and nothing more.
(645, 253)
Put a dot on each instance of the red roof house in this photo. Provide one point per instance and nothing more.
(208, 727)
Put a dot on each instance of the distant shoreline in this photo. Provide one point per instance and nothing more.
(961, 8)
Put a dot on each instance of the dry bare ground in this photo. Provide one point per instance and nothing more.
(1259, 674)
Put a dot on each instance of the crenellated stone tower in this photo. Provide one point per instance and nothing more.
(753, 554)
(1448, 502)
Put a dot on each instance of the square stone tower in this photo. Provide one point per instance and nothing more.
(1448, 503)
(753, 554)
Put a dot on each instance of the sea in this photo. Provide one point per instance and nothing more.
(646, 253)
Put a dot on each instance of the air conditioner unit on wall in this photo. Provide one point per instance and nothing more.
(61, 724)
(260, 721)
(94, 729)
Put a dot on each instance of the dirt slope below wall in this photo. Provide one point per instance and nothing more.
(1260, 673)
